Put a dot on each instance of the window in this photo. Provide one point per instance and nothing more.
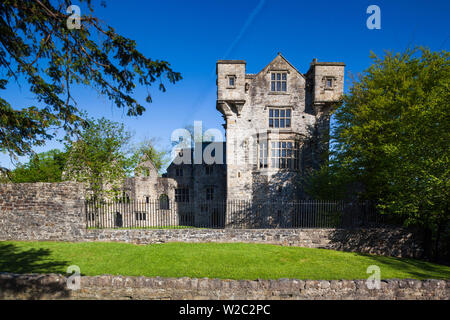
(182, 195)
(279, 118)
(179, 172)
(147, 199)
(145, 172)
(231, 81)
(263, 154)
(329, 83)
(278, 81)
(210, 193)
(164, 202)
(140, 216)
(91, 216)
(125, 198)
(284, 155)
(209, 170)
(118, 220)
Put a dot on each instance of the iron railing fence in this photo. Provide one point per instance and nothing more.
(241, 214)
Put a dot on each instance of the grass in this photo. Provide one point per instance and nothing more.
(212, 260)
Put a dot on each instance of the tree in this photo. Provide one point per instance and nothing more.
(392, 137)
(100, 158)
(42, 167)
(36, 45)
(146, 150)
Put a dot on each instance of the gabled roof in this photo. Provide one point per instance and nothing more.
(147, 163)
(282, 57)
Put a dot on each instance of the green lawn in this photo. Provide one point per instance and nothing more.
(212, 260)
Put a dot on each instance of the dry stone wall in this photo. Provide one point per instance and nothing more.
(42, 211)
(52, 286)
(380, 241)
(55, 211)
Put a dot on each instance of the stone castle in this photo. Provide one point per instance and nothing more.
(276, 124)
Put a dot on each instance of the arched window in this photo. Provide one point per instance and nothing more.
(125, 198)
(118, 221)
(164, 202)
(146, 172)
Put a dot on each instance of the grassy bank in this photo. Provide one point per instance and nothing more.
(212, 260)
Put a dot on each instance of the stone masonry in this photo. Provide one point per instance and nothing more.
(53, 286)
(55, 211)
(276, 123)
(38, 211)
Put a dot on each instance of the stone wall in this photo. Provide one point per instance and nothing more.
(14, 286)
(380, 241)
(55, 211)
(246, 107)
(42, 211)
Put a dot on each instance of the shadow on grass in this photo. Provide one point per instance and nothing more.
(15, 260)
(379, 241)
(411, 266)
(384, 246)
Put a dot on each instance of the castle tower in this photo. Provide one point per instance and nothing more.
(231, 98)
(326, 86)
(274, 122)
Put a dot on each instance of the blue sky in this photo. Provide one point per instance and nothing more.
(193, 35)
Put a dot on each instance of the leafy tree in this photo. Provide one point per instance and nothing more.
(100, 158)
(42, 167)
(391, 139)
(37, 46)
(329, 182)
(146, 150)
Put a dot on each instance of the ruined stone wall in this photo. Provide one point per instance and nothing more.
(205, 168)
(42, 211)
(149, 187)
(52, 286)
(380, 241)
(55, 211)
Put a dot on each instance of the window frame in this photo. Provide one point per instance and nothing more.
(332, 82)
(164, 202)
(275, 117)
(178, 172)
(277, 83)
(284, 157)
(91, 216)
(182, 194)
(140, 216)
(229, 77)
(145, 172)
(263, 154)
(209, 193)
